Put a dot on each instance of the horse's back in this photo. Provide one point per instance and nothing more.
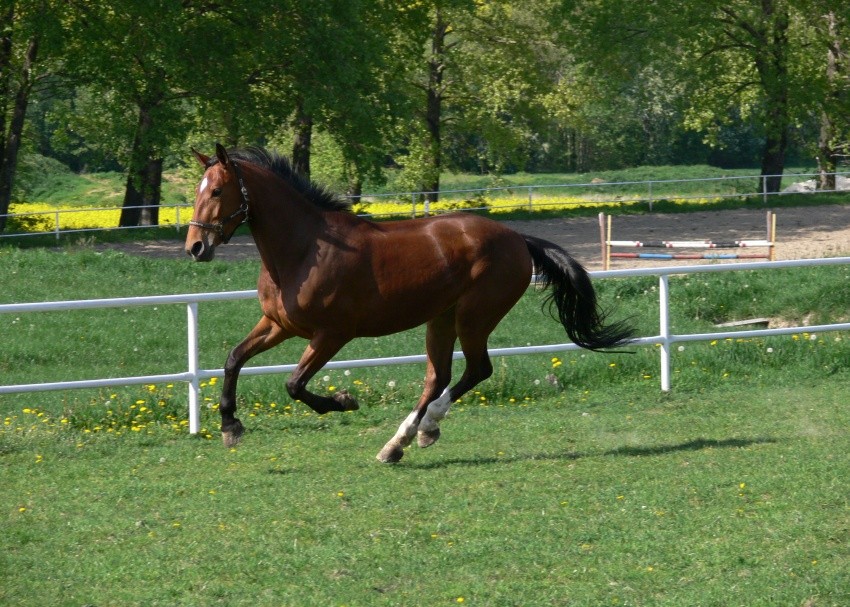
(370, 278)
(464, 241)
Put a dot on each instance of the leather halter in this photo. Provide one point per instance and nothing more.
(218, 226)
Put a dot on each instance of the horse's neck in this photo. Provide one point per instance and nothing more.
(284, 226)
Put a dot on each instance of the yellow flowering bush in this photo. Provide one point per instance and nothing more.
(42, 217)
(507, 204)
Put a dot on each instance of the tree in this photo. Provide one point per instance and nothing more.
(481, 82)
(350, 79)
(755, 36)
(733, 59)
(29, 43)
(831, 104)
(144, 60)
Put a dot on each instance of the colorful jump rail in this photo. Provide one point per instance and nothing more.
(768, 243)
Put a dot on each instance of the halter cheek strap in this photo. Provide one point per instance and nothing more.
(218, 226)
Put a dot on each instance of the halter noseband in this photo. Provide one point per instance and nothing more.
(218, 226)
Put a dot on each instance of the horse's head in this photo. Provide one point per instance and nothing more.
(221, 205)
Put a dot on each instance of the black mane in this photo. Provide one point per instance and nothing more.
(282, 167)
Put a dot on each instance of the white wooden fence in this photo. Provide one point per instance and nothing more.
(193, 375)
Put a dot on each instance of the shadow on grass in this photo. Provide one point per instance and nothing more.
(694, 445)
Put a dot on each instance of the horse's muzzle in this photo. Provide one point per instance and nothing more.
(201, 251)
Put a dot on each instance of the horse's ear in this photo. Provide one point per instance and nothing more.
(203, 159)
(221, 154)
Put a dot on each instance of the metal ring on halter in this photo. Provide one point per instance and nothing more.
(218, 226)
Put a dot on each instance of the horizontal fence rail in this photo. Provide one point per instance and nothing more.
(193, 375)
(61, 221)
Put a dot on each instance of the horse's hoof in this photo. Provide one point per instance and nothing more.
(348, 402)
(390, 454)
(426, 438)
(233, 435)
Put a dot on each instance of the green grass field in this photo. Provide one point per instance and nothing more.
(563, 480)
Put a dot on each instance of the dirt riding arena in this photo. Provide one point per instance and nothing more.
(801, 233)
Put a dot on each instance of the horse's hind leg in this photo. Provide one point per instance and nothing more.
(266, 334)
(474, 318)
(439, 343)
(425, 419)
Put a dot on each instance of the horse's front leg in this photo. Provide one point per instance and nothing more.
(266, 334)
(319, 351)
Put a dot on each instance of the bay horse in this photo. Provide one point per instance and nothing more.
(330, 276)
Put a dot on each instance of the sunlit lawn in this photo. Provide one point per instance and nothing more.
(565, 479)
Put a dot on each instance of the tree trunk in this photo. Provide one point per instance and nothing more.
(433, 108)
(355, 190)
(144, 179)
(303, 140)
(5, 72)
(827, 154)
(152, 192)
(9, 157)
(772, 67)
(827, 144)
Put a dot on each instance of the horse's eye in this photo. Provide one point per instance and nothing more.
(216, 192)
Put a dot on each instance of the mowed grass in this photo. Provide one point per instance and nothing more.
(618, 498)
(563, 480)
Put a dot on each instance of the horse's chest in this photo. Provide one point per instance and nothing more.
(302, 311)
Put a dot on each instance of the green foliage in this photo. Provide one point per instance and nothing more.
(555, 86)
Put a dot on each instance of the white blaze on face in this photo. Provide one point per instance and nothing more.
(203, 185)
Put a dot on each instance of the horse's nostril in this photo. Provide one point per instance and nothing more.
(197, 249)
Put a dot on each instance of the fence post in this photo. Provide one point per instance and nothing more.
(650, 197)
(56, 226)
(664, 329)
(194, 384)
(530, 203)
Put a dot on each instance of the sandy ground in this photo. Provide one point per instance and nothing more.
(801, 233)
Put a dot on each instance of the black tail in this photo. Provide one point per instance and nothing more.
(573, 296)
